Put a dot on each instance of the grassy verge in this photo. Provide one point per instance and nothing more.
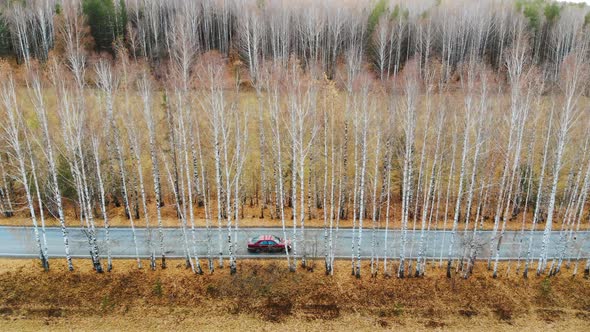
(264, 295)
(251, 218)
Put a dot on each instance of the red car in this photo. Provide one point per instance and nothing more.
(268, 243)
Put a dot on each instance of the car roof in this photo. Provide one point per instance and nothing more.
(267, 238)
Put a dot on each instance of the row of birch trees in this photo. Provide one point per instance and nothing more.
(207, 140)
(319, 33)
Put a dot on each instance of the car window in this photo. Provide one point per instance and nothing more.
(272, 243)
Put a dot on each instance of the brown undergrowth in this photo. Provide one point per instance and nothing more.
(251, 217)
(265, 294)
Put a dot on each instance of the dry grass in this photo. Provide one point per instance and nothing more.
(251, 218)
(187, 320)
(264, 295)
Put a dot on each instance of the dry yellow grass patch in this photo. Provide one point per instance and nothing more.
(263, 295)
(251, 218)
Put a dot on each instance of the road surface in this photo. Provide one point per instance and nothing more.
(19, 242)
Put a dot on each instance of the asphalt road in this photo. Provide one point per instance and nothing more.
(19, 242)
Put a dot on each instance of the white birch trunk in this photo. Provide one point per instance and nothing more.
(273, 101)
(45, 263)
(144, 88)
(459, 192)
(42, 116)
(374, 260)
(364, 153)
(107, 84)
(539, 197)
(6, 200)
(574, 80)
(13, 131)
(206, 202)
(103, 207)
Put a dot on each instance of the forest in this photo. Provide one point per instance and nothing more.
(466, 117)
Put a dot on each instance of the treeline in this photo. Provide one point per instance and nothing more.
(386, 33)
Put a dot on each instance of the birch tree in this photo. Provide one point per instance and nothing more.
(136, 157)
(364, 151)
(41, 113)
(73, 124)
(375, 207)
(103, 207)
(520, 104)
(7, 209)
(409, 126)
(275, 113)
(466, 142)
(302, 101)
(216, 109)
(538, 200)
(428, 199)
(13, 130)
(573, 82)
(145, 90)
(107, 83)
